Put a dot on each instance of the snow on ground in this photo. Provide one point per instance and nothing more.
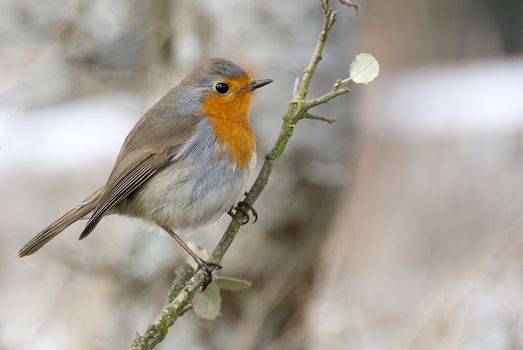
(461, 100)
(66, 136)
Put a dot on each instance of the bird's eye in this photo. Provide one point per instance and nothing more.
(222, 88)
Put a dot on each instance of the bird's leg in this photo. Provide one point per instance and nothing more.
(205, 266)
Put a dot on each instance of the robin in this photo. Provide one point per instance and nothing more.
(185, 162)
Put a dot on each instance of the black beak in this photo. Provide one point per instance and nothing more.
(255, 84)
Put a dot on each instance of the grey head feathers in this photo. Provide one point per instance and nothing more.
(186, 96)
(211, 70)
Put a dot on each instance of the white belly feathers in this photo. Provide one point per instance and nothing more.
(196, 188)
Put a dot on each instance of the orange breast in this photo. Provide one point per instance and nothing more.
(229, 117)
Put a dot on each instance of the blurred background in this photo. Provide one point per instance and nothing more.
(399, 227)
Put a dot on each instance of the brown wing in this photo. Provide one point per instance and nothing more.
(136, 174)
(139, 160)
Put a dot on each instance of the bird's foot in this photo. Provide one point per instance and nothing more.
(208, 268)
(246, 209)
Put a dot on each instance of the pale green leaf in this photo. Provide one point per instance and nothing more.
(208, 303)
(232, 284)
(364, 68)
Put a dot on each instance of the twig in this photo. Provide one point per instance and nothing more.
(329, 17)
(319, 117)
(295, 88)
(298, 109)
(336, 91)
(350, 4)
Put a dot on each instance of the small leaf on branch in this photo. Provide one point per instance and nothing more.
(364, 68)
(207, 304)
(232, 284)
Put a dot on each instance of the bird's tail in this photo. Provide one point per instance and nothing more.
(61, 224)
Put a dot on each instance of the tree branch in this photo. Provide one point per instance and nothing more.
(179, 298)
(182, 275)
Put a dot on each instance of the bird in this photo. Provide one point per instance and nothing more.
(185, 163)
